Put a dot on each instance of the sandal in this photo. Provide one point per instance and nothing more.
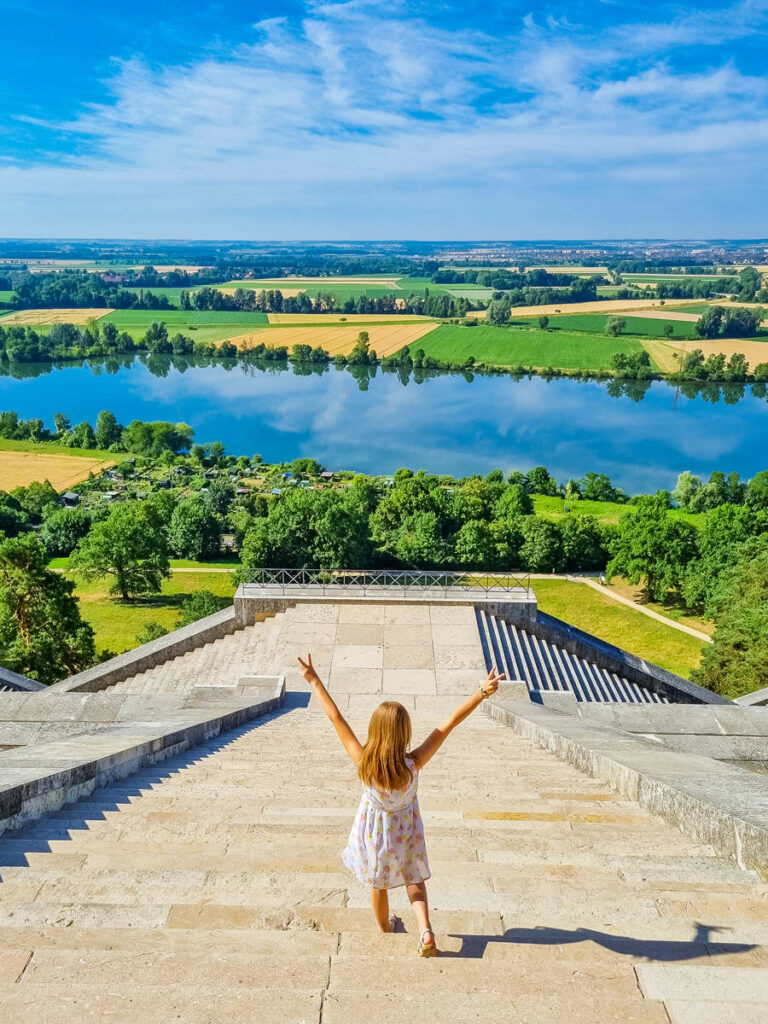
(428, 948)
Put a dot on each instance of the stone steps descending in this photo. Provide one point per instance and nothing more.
(209, 888)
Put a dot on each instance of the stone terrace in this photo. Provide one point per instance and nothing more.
(209, 888)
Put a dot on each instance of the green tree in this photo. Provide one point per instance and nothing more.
(130, 547)
(498, 312)
(36, 498)
(736, 662)
(151, 630)
(686, 489)
(710, 323)
(616, 325)
(198, 606)
(540, 482)
(220, 496)
(652, 547)
(583, 545)
(721, 541)
(108, 430)
(61, 423)
(41, 632)
(62, 528)
(542, 548)
(475, 545)
(513, 502)
(543, 322)
(194, 529)
(83, 436)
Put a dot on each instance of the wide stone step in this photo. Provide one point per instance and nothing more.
(229, 970)
(291, 941)
(118, 1001)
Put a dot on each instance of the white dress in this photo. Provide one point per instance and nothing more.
(386, 846)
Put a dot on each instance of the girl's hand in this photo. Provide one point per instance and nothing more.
(491, 684)
(308, 670)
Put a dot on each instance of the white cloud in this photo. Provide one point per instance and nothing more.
(364, 121)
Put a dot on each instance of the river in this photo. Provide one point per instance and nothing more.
(375, 421)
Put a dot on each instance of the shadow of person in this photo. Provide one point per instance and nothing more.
(702, 943)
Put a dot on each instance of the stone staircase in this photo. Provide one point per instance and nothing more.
(209, 889)
(220, 662)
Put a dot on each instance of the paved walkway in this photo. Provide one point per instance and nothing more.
(209, 890)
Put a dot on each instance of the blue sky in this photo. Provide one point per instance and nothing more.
(384, 120)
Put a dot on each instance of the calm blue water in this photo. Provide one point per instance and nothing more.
(444, 424)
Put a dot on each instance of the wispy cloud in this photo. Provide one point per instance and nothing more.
(362, 119)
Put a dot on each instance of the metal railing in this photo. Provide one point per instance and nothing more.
(383, 581)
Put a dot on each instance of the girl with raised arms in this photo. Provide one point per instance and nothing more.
(386, 846)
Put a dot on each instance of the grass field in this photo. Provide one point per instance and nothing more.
(607, 512)
(117, 624)
(340, 339)
(598, 614)
(508, 346)
(648, 327)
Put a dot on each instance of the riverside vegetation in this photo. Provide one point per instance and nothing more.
(698, 548)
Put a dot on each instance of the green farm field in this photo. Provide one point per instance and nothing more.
(509, 346)
(644, 327)
(206, 326)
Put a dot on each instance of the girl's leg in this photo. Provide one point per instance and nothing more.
(380, 904)
(417, 894)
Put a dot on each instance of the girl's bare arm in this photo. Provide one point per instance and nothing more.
(437, 737)
(349, 741)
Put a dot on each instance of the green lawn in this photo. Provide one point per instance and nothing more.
(510, 346)
(624, 627)
(117, 624)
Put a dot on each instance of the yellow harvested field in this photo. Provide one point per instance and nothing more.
(477, 314)
(19, 469)
(32, 317)
(599, 306)
(321, 319)
(755, 351)
(385, 338)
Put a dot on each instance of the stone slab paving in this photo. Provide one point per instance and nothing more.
(210, 889)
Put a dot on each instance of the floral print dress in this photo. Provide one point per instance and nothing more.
(386, 846)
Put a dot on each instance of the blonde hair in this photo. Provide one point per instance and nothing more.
(382, 762)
